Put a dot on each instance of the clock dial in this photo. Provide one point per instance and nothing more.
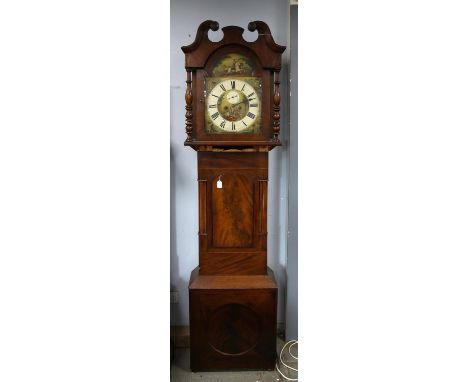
(233, 105)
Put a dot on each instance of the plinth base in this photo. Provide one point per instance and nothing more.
(232, 322)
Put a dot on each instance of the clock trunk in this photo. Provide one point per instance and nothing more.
(233, 188)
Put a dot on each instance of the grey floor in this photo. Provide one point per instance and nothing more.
(181, 370)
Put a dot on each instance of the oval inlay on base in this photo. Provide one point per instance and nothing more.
(233, 329)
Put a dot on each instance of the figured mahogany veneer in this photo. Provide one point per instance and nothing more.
(233, 218)
(232, 321)
(233, 211)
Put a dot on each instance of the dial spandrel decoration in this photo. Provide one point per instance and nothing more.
(233, 105)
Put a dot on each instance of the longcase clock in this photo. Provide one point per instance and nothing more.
(232, 121)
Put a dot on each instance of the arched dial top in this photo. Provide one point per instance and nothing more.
(233, 105)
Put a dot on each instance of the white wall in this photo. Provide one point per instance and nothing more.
(185, 17)
(291, 329)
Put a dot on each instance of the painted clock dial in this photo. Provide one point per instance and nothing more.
(233, 105)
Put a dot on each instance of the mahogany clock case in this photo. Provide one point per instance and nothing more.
(232, 294)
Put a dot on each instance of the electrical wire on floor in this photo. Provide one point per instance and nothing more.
(291, 344)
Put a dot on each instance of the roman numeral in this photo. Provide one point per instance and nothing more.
(253, 105)
(233, 84)
(222, 124)
(222, 87)
(251, 99)
(212, 106)
(250, 115)
(243, 87)
(215, 96)
(233, 126)
(215, 115)
(244, 123)
(251, 94)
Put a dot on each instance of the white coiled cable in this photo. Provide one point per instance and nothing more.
(291, 344)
